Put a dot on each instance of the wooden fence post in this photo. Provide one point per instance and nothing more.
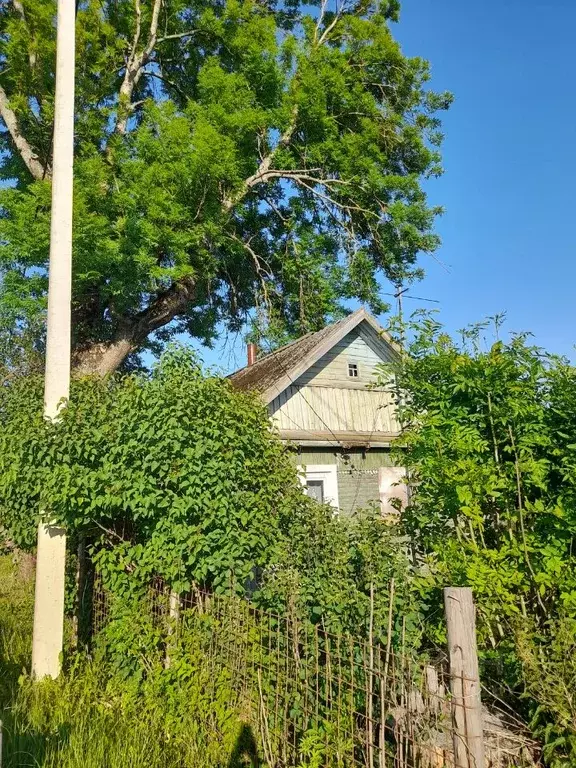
(173, 619)
(467, 724)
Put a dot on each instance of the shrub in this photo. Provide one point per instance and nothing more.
(490, 446)
(173, 475)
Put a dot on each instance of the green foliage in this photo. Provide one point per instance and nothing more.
(339, 123)
(339, 571)
(319, 748)
(93, 716)
(88, 717)
(16, 602)
(490, 446)
(173, 475)
(549, 673)
(179, 477)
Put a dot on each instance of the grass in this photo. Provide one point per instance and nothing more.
(92, 717)
(16, 611)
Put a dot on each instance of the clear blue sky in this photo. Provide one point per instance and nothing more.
(510, 159)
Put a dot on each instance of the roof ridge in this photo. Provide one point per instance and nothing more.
(273, 372)
(268, 355)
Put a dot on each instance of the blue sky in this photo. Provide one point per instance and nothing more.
(510, 157)
(509, 240)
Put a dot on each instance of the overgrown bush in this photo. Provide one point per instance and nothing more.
(490, 446)
(173, 475)
(548, 660)
(341, 570)
(178, 476)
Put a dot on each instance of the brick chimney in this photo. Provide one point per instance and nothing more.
(252, 353)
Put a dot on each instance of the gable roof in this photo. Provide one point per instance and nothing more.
(273, 373)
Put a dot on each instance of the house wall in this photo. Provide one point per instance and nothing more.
(320, 408)
(361, 346)
(357, 470)
(327, 398)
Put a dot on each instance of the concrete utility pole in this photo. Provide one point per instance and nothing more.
(51, 554)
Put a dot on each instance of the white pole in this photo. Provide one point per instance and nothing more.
(51, 554)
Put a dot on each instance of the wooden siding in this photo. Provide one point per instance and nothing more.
(317, 409)
(326, 399)
(358, 473)
(357, 490)
(360, 346)
(354, 459)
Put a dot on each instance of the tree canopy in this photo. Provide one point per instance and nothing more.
(233, 159)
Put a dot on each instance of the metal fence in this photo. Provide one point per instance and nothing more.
(313, 698)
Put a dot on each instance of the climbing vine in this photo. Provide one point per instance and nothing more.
(171, 474)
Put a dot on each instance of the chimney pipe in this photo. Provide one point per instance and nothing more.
(252, 352)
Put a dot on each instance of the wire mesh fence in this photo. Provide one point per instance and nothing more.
(314, 698)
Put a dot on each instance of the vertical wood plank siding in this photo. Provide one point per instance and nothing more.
(356, 347)
(327, 398)
(327, 408)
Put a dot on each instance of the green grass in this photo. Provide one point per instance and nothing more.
(93, 718)
(16, 611)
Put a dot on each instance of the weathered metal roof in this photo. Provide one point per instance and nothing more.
(272, 373)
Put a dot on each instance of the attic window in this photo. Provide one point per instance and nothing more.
(353, 370)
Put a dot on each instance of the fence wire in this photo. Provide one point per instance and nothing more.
(316, 698)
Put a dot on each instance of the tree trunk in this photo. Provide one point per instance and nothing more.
(102, 358)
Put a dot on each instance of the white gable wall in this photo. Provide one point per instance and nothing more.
(325, 397)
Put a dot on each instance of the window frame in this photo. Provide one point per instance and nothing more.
(327, 474)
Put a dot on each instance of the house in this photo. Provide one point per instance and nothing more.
(321, 397)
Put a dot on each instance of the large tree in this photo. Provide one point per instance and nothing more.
(234, 158)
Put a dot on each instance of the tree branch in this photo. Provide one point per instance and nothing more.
(29, 157)
(178, 36)
(164, 308)
(337, 16)
(265, 164)
(262, 273)
(153, 27)
(136, 61)
(19, 8)
(160, 76)
(105, 357)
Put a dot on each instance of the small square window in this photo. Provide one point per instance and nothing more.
(315, 489)
(353, 370)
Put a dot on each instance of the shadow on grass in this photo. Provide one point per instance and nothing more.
(25, 748)
(245, 752)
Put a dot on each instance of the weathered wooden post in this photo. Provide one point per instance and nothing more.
(464, 678)
(173, 619)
